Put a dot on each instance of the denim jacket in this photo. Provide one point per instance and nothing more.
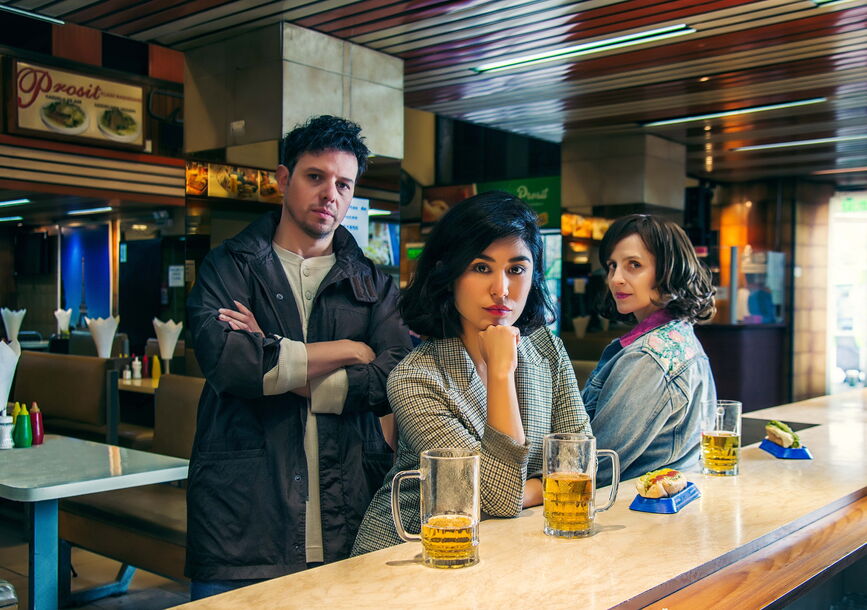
(644, 398)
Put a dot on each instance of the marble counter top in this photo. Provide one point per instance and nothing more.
(633, 558)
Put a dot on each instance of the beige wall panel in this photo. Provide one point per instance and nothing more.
(252, 48)
(204, 121)
(312, 49)
(622, 170)
(261, 154)
(309, 92)
(419, 143)
(379, 111)
(376, 67)
(663, 181)
(258, 94)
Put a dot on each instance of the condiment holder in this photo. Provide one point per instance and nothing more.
(785, 453)
(666, 506)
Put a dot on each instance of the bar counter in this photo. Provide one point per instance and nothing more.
(633, 559)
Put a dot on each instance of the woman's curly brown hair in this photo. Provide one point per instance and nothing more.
(683, 281)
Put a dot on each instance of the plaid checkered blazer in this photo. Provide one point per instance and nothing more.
(439, 401)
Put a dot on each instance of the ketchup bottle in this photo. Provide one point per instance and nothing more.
(36, 424)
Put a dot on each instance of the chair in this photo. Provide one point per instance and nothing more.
(81, 344)
(176, 404)
(78, 397)
(142, 527)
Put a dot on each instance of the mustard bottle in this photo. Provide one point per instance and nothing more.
(155, 370)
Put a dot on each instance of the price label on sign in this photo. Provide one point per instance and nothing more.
(176, 276)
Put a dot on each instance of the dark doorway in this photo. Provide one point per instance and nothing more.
(139, 290)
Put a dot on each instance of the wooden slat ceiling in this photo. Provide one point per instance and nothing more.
(742, 55)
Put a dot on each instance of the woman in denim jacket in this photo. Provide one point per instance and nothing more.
(644, 397)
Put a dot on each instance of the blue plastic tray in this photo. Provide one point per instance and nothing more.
(801, 453)
(666, 506)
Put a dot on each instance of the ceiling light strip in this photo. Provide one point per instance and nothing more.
(848, 170)
(89, 211)
(4, 204)
(23, 13)
(727, 113)
(11, 218)
(801, 143)
(590, 47)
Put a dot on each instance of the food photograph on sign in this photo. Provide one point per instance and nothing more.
(247, 182)
(118, 124)
(197, 178)
(222, 181)
(269, 190)
(77, 105)
(64, 117)
(437, 200)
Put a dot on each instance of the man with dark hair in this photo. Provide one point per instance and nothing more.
(296, 332)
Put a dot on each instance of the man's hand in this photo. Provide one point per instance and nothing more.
(240, 320)
(359, 352)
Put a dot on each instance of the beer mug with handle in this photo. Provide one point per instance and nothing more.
(449, 507)
(569, 483)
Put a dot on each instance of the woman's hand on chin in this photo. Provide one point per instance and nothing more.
(499, 348)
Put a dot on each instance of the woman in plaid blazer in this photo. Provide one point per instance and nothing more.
(488, 376)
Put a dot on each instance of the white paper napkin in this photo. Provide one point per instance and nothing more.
(167, 336)
(62, 316)
(9, 354)
(102, 330)
(12, 321)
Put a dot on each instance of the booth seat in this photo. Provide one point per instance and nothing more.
(81, 344)
(77, 396)
(582, 369)
(143, 527)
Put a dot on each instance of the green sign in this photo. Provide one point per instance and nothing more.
(541, 194)
(850, 204)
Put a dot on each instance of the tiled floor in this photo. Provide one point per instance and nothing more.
(147, 591)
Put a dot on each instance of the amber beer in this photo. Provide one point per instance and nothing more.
(720, 437)
(450, 541)
(568, 497)
(569, 482)
(449, 507)
(720, 451)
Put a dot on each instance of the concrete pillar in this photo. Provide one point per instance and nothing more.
(242, 94)
(639, 172)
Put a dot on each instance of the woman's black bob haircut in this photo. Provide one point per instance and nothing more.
(683, 282)
(428, 304)
(320, 134)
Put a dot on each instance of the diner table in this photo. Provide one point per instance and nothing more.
(759, 538)
(145, 385)
(63, 467)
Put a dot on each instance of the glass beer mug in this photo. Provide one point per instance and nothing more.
(449, 507)
(569, 483)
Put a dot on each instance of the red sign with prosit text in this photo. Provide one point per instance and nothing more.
(78, 105)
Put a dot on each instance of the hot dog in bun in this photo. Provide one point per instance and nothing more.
(660, 483)
(779, 433)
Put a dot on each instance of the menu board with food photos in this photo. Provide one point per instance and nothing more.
(232, 182)
(77, 106)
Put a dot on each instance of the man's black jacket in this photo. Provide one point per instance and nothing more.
(248, 474)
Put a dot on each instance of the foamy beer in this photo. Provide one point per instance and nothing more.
(721, 437)
(449, 507)
(569, 483)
